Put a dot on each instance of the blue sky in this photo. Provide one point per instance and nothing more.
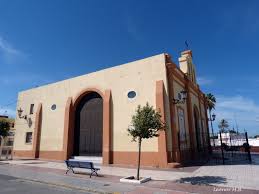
(47, 41)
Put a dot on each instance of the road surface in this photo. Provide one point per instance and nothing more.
(13, 185)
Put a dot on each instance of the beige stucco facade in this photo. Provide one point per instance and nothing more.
(141, 76)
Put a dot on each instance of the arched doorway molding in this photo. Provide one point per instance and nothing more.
(69, 123)
(84, 92)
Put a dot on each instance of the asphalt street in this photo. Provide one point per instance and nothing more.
(13, 185)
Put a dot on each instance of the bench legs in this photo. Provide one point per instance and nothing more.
(93, 171)
(69, 168)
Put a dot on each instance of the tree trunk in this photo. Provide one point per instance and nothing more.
(139, 153)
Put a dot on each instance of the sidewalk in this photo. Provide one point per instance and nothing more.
(82, 182)
(156, 174)
(104, 184)
(229, 176)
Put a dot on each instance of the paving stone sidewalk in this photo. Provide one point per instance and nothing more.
(78, 182)
(243, 176)
(156, 174)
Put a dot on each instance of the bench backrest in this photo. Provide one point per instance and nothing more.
(79, 164)
(86, 165)
(72, 163)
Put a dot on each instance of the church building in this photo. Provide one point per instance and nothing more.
(88, 116)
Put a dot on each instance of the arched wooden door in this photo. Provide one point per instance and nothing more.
(89, 126)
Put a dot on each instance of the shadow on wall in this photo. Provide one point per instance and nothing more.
(203, 180)
(111, 128)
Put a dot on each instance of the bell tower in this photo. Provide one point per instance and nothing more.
(187, 66)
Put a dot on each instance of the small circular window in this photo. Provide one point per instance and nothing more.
(131, 94)
(53, 107)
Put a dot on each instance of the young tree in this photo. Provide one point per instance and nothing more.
(223, 125)
(4, 128)
(145, 124)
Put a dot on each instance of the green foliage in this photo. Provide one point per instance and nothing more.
(145, 123)
(232, 131)
(223, 125)
(4, 128)
(211, 101)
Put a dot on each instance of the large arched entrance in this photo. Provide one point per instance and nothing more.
(88, 134)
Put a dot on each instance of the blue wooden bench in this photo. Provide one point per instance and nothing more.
(81, 164)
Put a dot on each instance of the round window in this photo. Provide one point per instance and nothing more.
(53, 107)
(131, 94)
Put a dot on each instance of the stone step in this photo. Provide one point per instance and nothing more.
(174, 165)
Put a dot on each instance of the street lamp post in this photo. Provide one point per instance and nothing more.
(212, 118)
(20, 111)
